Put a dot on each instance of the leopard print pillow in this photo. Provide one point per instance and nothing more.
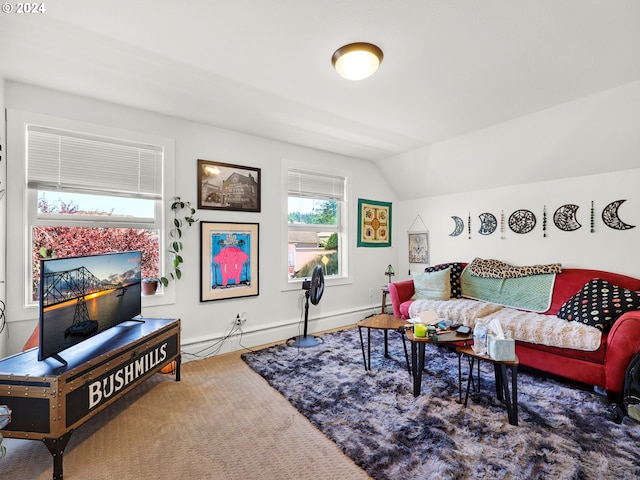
(497, 269)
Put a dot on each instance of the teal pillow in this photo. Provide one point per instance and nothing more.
(432, 285)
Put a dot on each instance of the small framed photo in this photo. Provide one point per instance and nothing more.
(419, 247)
(228, 260)
(374, 223)
(223, 186)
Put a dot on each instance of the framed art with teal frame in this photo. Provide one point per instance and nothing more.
(374, 223)
(228, 260)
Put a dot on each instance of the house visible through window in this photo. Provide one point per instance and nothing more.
(316, 224)
(89, 194)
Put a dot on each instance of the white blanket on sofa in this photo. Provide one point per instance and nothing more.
(520, 325)
(546, 330)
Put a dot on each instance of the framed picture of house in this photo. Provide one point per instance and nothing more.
(223, 186)
(228, 260)
(374, 223)
(418, 247)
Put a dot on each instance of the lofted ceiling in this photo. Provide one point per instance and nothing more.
(264, 67)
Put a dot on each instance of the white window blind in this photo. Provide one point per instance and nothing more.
(84, 163)
(315, 185)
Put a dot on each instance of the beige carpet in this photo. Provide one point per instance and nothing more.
(221, 421)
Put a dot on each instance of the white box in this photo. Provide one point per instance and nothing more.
(501, 349)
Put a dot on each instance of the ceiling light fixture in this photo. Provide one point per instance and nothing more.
(357, 61)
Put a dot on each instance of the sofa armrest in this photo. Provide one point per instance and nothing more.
(623, 343)
(400, 292)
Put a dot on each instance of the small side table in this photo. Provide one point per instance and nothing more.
(502, 383)
(385, 291)
(382, 322)
(418, 352)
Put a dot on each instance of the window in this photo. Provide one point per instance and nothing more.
(90, 194)
(316, 224)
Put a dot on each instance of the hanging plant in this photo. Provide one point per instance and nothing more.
(183, 216)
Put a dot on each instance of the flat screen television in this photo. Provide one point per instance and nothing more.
(83, 296)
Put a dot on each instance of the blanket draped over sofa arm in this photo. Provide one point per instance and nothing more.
(497, 269)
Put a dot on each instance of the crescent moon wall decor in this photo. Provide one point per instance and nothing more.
(488, 223)
(522, 221)
(565, 218)
(459, 226)
(611, 219)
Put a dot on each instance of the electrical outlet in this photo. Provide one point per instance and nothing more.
(241, 318)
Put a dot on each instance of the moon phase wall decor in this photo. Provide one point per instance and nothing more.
(522, 221)
(611, 219)
(488, 223)
(565, 218)
(459, 226)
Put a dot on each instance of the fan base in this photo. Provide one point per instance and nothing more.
(304, 342)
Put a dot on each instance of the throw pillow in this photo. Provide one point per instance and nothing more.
(432, 285)
(454, 275)
(599, 304)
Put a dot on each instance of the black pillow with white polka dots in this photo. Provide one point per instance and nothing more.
(599, 304)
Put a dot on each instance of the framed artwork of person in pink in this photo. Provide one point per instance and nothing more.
(229, 260)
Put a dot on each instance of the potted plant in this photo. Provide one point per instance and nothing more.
(183, 215)
(149, 286)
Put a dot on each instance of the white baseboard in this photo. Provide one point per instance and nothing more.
(248, 337)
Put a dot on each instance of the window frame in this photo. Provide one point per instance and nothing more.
(24, 214)
(345, 219)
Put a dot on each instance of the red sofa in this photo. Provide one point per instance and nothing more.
(604, 367)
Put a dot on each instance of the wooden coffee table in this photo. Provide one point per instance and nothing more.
(382, 322)
(502, 383)
(418, 352)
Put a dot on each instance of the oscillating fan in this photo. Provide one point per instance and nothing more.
(314, 289)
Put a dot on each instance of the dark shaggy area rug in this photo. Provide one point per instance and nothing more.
(563, 432)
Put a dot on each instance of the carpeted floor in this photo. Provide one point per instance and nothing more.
(220, 422)
(563, 432)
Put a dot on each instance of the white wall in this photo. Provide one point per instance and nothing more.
(575, 153)
(3, 212)
(605, 249)
(593, 135)
(275, 314)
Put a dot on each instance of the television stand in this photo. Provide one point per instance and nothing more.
(49, 402)
(60, 359)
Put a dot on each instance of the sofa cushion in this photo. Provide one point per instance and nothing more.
(599, 304)
(454, 275)
(432, 285)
